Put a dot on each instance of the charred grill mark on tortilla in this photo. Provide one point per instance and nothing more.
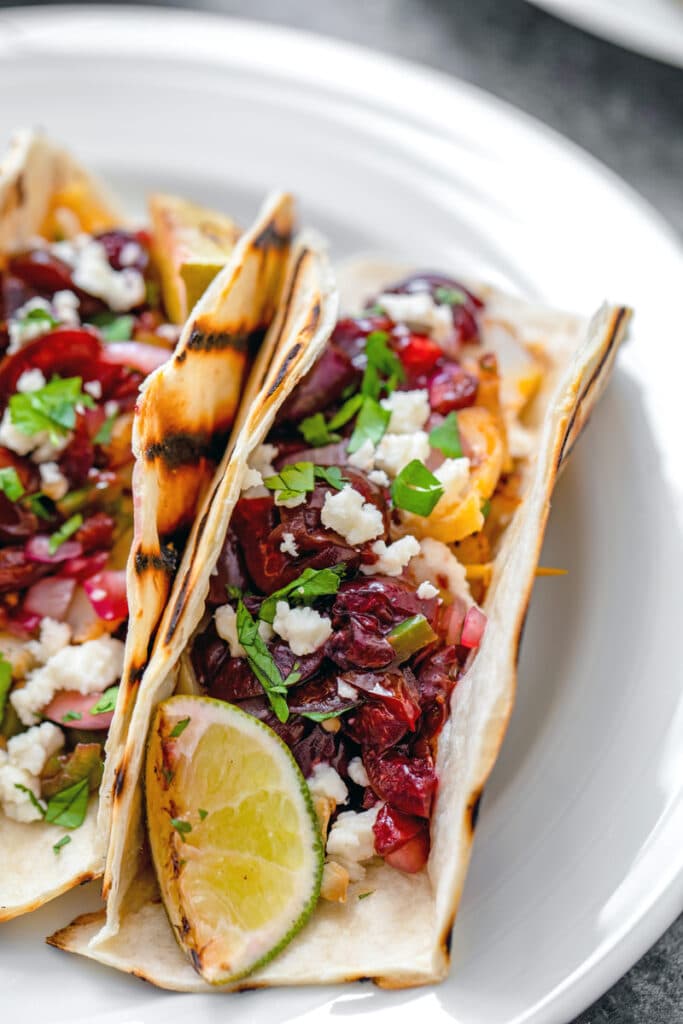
(473, 809)
(273, 238)
(218, 341)
(166, 560)
(181, 449)
(119, 780)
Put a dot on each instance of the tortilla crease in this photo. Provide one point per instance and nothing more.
(36, 178)
(400, 935)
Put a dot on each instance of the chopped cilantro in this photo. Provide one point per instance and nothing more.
(292, 480)
(316, 432)
(262, 664)
(113, 327)
(168, 774)
(312, 583)
(202, 813)
(36, 502)
(371, 425)
(182, 827)
(65, 531)
(107, 702)
(72, 716)
(103, 435)
(234, 593)
(64, 841)
(10, 484)
(323, 716)
(5, 684)
(40, 316)
(384, 370)
(68, 807)
(364, 895)
(51, 408)
(179, 728)
(446, 437)
(416, 489)
(485, 508)
(450, 296)
(332, 475)
(32, 797)
(347, 412)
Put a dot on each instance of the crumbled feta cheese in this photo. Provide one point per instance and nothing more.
(351, 839)
(21, 330)
(394, 558)
(94, 388)
(304, 629)
(31, 380)
(26, 756)
(169, 332)
(288, 545)
(53, 637)
(92, 272)
(395, 451)
(426, 590)
(130, 254)
(357, 772)
(346, 691)
(31, 749)
(86, 668)
(351, 516)
(378, 476)
(39, 445)
(262, 459)
(111, 408)
(16, 803)
(53, 481)
(419, 310)
(252, 478)
(410, 410)
(226, 627)
(454, 474)
(364, 457)
(65, 306)
(296, 499)
(436, 564)
(326, 782)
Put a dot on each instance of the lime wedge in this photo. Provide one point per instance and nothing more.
(234, 837)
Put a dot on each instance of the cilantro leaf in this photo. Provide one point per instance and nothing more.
(450, 296)
(262, 664)
(68, 808)
(5, 684)
(113, 327)
(446, 437)
(107, 702)
(103, 435)
(371, 425)
(234, 593)
(182, 827)
(202, 813)
(297, 478)
(486, 508)
(323, 716)
(72, 716)
(51, 408)
(65, 531)
(179, 728)
(316, 432)
(10, 484)
(364, 895)
(332, 475)
(382, 363)
(347, 412)
(41, 316)
(32, 797)
(36, 502)
(64, 841)
(416, 489)
(312, 583)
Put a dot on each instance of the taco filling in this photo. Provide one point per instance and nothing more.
(81, 327)
(346, 602)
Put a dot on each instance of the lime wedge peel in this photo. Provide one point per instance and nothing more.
(234, 837)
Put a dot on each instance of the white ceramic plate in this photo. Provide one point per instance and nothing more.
(652, 27)
(578, 863)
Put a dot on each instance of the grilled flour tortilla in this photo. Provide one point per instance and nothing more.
(69, 512)
(370, 937)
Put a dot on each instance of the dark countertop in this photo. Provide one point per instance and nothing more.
(625, 109)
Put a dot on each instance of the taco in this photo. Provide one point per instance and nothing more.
(378, 523)
(83, 326)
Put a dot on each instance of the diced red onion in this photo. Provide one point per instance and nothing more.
(85, 566)
(473, 627)
(50, 597)
(145, 358)
(78, 703)
(38, 550)
(107, 593)
(454, 617)
(22, 623)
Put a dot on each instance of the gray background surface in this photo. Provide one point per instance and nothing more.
(625, 109)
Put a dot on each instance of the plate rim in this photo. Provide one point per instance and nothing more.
(613, 957)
